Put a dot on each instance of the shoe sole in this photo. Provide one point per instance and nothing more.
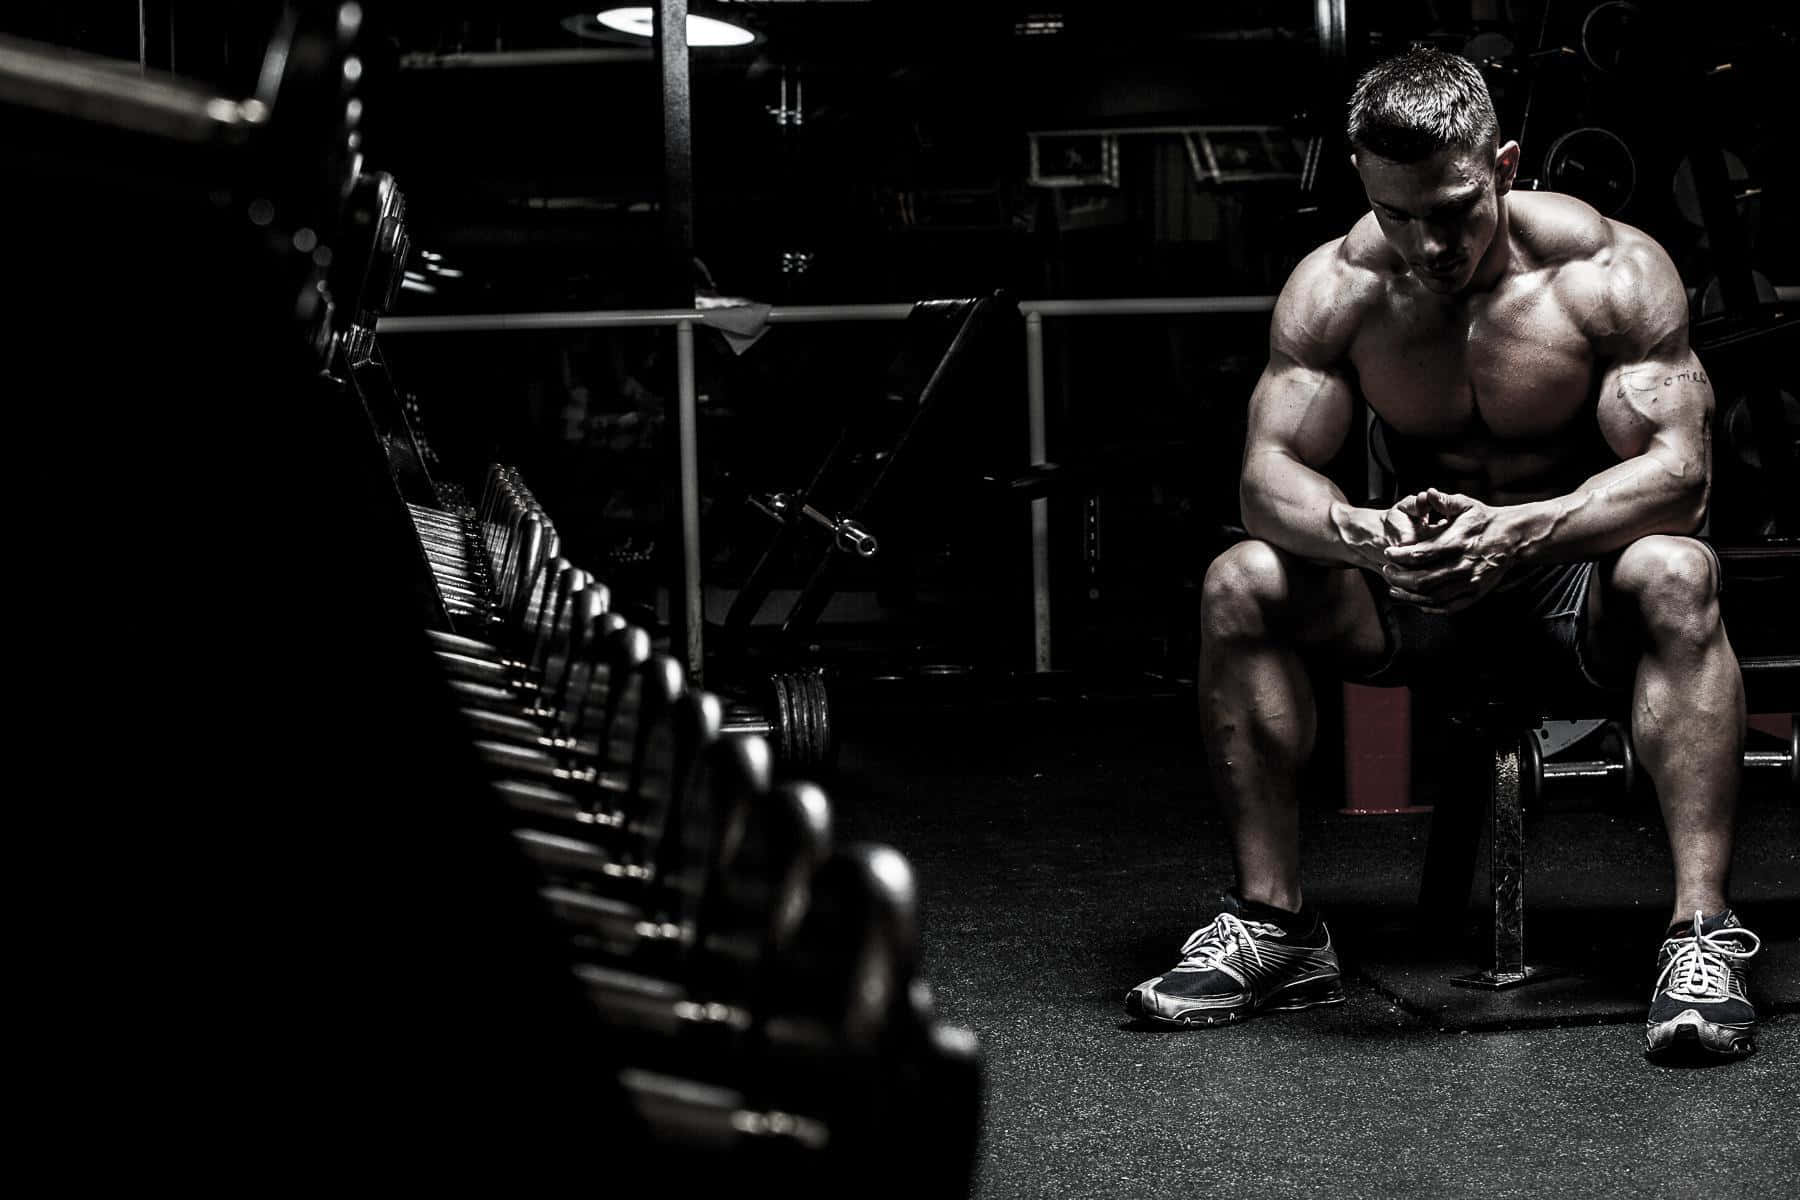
(1293, 998)
(1691, 1036)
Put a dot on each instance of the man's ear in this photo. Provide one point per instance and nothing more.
(1353, 160)
(1506, 167)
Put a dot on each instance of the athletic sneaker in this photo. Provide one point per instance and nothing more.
(1699, 1005)
(1251, 959)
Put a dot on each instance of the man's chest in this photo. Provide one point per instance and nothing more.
(1513, 366)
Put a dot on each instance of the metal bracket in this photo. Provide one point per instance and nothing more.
(1506, 845)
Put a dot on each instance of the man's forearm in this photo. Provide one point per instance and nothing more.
(1652, 493)
(1290, 505)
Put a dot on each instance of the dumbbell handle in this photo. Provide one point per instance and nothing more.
(747, 723)
(849, 535)
(1754, 760)
(1583, 769)
(1767, 759)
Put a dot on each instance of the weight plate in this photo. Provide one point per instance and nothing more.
(1556, 736)
(798, 747)
(1531, 767)
(796, 733)
(800, 715)
(1592, 164)
(1615, 38)
(1628, 756)
(784, 717)
(1615, 746)
(804, 700)
(827, 735)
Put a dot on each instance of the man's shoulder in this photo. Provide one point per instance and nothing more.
(1358, 264)
(1562, 231)
(1332, 289)
(1559, 230)
(1611, 274)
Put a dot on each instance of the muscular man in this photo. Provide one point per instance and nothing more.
(1530, 362)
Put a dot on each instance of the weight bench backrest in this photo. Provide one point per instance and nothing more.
(941, 352)
(943, 341)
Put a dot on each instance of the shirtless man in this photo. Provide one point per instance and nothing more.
(1530, 361)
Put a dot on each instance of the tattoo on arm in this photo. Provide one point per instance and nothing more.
(1630, 383)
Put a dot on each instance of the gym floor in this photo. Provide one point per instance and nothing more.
(1065, 850)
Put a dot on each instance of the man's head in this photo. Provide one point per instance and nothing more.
(1427, 147)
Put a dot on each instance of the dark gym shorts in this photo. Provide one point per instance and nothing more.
(1530, 633)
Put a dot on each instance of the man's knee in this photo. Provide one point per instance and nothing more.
(1672, 581)
(1244, 588)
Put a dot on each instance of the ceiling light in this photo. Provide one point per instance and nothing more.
(636, 21)
(1039, 25)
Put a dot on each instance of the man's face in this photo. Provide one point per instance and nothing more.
(1440, 213)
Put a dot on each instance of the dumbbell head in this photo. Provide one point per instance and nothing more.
(1531, 765)
(800, 818)
(1615, 745)
(660, 684)
(865, 915)
(1617, 763)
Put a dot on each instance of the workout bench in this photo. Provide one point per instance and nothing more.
(1515, 773)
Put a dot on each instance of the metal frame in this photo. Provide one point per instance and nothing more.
(1035, 311)
(1506, 864)
(683, 321)
(1203, 158)
(1106, 174)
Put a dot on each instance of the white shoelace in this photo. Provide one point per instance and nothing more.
(1211, 945)
(1700, 968)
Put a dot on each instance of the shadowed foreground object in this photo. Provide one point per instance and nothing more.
(409, 855)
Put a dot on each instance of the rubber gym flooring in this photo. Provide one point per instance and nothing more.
(1065, 850)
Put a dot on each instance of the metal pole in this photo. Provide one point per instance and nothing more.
(669, 27)
(795, 314)
(691, 623)
(1506, 861)
(1040, 508)
(1152, 306)
(483, 59)
(1332, 27)
(1506, 848)
(792, 314)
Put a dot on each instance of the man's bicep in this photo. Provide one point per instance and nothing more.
(1656, 392)
(1299, 411)
(1660, 403)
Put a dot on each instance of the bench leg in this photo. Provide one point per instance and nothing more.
(1506, 950)
(1455, 837)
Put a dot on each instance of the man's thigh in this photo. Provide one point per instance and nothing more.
(1335, 619)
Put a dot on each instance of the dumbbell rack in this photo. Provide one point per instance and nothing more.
(766, 982)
